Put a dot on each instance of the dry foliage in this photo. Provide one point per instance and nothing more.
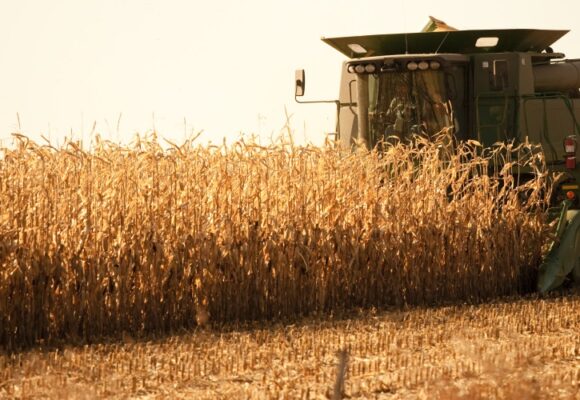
(141, 239)
(519, 349)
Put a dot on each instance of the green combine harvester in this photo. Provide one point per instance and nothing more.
(485, 85)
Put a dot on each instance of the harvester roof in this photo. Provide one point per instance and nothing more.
(464, 42)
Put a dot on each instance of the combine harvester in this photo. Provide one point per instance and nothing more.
(485, 85)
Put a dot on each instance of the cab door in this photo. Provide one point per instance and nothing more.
(494, 97)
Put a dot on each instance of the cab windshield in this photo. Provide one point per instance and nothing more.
(405, 103)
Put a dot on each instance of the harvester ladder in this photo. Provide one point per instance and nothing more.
(498, 125)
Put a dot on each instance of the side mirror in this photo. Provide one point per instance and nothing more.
(300, 83)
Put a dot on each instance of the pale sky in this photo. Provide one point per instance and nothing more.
(226, 67)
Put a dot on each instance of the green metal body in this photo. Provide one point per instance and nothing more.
(501, 85)
(563, 259)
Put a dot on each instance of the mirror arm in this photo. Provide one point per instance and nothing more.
(314, 101)
(336, 102)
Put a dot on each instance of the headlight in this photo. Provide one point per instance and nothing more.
(412, 66)
(435, 64)
(423, 65)
(359, 69)
(370, 68)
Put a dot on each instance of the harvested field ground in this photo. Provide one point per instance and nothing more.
(514, 349)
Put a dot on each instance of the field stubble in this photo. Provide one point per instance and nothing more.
(515, 349)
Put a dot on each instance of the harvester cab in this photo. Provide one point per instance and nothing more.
(485, 85)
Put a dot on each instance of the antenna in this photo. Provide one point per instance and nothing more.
(442, 41)
(405, 26)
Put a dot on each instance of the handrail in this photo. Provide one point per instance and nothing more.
(545, 131)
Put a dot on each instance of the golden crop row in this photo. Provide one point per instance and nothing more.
(143, 239)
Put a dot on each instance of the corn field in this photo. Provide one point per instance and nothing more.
(143, 239)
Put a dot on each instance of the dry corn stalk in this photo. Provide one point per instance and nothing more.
(141, 239)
